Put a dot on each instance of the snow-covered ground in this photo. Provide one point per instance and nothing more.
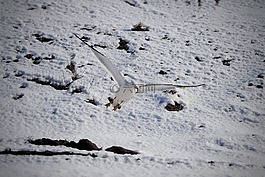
(220, 131)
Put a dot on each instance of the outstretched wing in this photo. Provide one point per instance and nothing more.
(107, 63)
(161, 87)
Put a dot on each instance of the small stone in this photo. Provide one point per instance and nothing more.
(198, 59)
(162, 72)
(121, 150)
(176, 107)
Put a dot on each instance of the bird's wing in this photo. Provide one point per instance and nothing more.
(107, 63)
(161, 87)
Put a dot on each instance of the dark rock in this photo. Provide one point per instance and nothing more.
(102, 46)
(37, 60)
(29, 56)
(202, 126)
(84, 38)
(166, 37)
(261, 76)
(49, 57)
(56, 86)
(187, 43)
(78, 90)
(121, 150)
(47, 141)
(131, 3)
(226, 62)
(218, 57)
(85, 144)
(176, 107)
(211, 162)
(24, 85)
(198, 59)
(18, 96)
(162, 72)
(140, 27)
(44, 39)
(123, 45)
(91, 101)
(19, 73)
(43, 153)
(259, 86)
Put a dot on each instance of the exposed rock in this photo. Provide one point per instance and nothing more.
(47, 141)
(176, 107)
(261, 76)
(162, 72)
(121, 150)
(44, 153)
(29, 56)
(91, 101)
(226, 62)
(198, 59)
(140, 27)
(83, 144)
(42, 38)
(56, 86)
(18, 96)
(123, 45)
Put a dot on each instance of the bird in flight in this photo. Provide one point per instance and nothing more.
(126, 90)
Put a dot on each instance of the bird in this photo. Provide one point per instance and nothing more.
(126, 90)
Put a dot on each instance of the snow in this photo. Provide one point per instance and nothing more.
(220, 131)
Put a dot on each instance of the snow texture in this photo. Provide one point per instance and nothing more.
(49, 80)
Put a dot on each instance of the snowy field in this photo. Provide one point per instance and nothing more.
(220, 131)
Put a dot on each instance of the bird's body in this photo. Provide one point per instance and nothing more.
(126, 90)
(124, 93)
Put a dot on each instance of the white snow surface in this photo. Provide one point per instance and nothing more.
(220, 131)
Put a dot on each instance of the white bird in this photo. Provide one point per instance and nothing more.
(126, 90)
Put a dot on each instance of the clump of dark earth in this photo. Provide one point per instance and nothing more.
(176, 107)
(121, 150)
